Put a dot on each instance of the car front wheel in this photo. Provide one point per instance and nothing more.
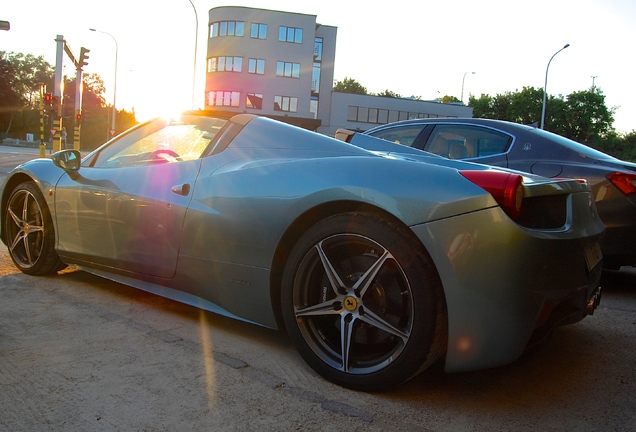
(28, 231)
(363, 303)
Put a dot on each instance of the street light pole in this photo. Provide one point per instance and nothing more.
(115, 80)
(196, 37)
(545, 86)
(464, 79)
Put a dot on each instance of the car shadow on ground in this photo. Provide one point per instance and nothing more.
(558, 377)
(580, 367)
(623, 279)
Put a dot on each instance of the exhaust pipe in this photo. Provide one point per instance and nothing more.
(593, 301)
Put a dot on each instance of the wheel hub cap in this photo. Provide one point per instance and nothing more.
(350, 303)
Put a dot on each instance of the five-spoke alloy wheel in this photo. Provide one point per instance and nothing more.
(362, 302)
(28, 231)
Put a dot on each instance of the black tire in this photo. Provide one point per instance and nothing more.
(357, 284)
(28, 231)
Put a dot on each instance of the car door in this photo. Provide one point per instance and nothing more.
(128, 218)
(125, 207)
(472, 142)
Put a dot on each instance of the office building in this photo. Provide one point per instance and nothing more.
(281, 65)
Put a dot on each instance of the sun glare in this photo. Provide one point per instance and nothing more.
(148, 104)
(207, 357)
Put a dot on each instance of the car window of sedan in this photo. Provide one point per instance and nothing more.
(457, 141)
(405, 135)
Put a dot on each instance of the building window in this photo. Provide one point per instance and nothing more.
(373, 115)
(380, 116)
(363, 114)
(315, 79)
(223, 98)
(225, 64)
(313, 106)
(318, 49)
(254, 100)
(258, 31)
(287, 69)
(285, 103)
(256, 66)
(227, 28)
(290, 34)
(352, 113)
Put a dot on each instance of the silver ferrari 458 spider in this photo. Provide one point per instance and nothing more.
(378, 259)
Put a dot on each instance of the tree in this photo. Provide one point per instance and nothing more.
(349, 85)
(449, 99)
(388, 93)
(9, 97)
(20, 78)
(490, 107)
(525, 106)
(581, 116)
(588, 120)
(481, 106)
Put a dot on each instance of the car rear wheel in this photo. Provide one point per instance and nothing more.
(28, 231)
(363, 303)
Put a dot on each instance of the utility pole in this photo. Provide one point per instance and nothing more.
(58, 93)
(45, 98)
(545, 86)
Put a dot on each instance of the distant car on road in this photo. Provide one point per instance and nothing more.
(532, 150)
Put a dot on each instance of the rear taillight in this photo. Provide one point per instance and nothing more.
(625, 182)
(506, 188)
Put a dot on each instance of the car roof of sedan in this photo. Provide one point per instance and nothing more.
(468, 120)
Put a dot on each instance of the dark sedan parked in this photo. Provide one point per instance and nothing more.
(528, 149)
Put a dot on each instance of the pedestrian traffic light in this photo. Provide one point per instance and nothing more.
(83, 61)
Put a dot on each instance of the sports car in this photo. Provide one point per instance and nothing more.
(377, 262)
(532, 150)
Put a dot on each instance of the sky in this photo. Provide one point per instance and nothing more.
(426, 48)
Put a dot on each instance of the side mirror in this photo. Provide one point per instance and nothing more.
(68, 160)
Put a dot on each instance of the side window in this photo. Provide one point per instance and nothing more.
(400, 135)
(160, 141)
(466, 141)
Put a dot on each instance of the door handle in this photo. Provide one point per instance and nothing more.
(183, 189)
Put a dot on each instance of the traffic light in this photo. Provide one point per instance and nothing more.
(78, 118)
(48, 98)
(83, 60)
(53, 104)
